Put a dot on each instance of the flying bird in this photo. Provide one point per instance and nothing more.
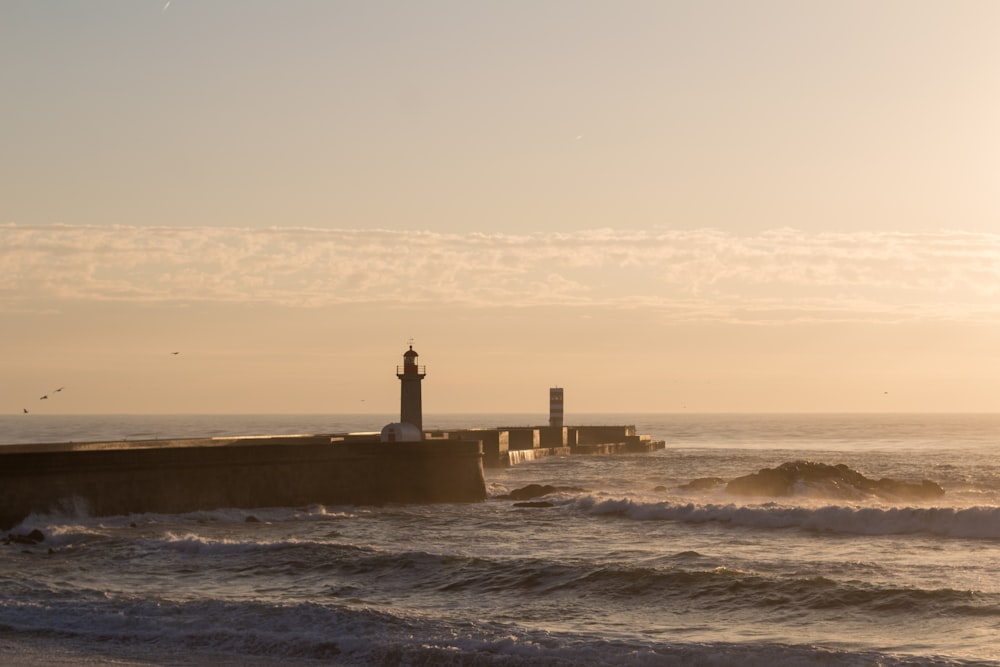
(54, 391)
(175, 353)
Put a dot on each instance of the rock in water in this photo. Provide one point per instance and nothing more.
(787, 478)
(922, 490)
(535, 491)
(34, 537)
(702, 484)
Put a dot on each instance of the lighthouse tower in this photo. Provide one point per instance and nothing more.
(556, 407)
(410, 375)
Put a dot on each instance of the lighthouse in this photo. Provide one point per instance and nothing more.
(556, 407)
(410, 376)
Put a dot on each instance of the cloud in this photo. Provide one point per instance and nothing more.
(695, 274)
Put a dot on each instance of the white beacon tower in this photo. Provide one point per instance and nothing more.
(410, 376)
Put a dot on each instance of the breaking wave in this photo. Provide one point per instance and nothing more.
(328, 634)
(334, 630)
(965, 523)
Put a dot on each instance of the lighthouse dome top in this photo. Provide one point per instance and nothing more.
(410, 353)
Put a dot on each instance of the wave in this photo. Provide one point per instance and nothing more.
(966, 523)
(65, 528)
(356, 605)
(300, 567)
(192, 543)
(700, 585)
(689, 578)
(311, 633)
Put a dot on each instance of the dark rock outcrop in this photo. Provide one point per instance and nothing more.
(835, 480)
(535, 491)
(34, 537)
(702, 484)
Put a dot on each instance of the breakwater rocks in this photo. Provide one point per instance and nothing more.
(804, 477)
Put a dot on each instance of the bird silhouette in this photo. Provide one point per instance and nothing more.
(54, 391)
(25, 410)
(175, 353)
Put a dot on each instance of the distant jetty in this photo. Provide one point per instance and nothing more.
(509, 445)
(401, 464)
(184, 475)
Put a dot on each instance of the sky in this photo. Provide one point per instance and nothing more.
(661, 206)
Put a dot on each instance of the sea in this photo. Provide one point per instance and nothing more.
(625, 563)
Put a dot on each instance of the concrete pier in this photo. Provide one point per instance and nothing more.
(183, 475)
(509, 445)
(109, 478)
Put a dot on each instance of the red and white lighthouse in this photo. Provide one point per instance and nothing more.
(410, 374)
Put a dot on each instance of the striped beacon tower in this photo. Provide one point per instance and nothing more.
(556, 407)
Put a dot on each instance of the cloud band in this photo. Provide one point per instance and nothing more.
(687, 274)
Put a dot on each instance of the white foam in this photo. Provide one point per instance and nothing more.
(969, 523)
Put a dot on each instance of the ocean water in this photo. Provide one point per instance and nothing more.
(627, 566)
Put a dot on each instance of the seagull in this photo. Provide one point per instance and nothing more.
(175, 353)
(54, 391)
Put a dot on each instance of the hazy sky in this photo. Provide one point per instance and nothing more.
(660, 206)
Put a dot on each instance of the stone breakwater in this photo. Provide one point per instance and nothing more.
(170, 476)
(183, 475)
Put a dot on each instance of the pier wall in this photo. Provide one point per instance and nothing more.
(523, 438)
(495, 442)
(553, 436)
(596, 435)
(516, 456)
(632, 444)
(186, 475)
(509, 445)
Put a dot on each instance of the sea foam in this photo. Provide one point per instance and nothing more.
(967, 523)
